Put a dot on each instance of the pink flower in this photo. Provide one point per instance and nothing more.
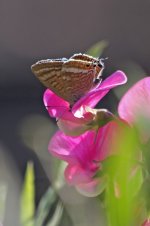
(84, 155)
(146, 223)
(134, 107)
(80, 116)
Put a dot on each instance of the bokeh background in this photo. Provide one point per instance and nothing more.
(41, 29)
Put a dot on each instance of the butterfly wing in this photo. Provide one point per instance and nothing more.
(84, 57)
(68, 78)
(79, 79)
(94, 61)
(49, 74)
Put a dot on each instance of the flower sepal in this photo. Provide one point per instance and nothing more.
(93, 188)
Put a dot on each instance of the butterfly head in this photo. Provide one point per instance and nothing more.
(99, 65)
(101, 61)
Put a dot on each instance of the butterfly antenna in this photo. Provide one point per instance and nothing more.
(103, 59)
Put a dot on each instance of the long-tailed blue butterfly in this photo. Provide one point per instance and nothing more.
(69, 78)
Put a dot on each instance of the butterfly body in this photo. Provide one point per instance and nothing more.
(69, 78)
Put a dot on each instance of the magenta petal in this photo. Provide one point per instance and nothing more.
(116, 79)
(106, 140)
(62, 146)
(73, 126)
(55, 105)
(95, 95)
(134, 107)
(73, 149)
(136, 101)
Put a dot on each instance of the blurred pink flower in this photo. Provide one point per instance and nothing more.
(80, 116)
(146, 223)
(84, 155)
(134, 107)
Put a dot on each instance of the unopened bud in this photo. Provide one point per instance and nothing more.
(102, 117)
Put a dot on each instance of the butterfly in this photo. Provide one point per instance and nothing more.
(70, 78)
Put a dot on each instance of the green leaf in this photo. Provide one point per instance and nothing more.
(57, 216)
(27, 197)
(124, 180)
(97, 49)
(46, 205)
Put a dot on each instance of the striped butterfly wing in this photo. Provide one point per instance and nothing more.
(99, 65)
(79, 79)
(84, 57)
(68, 78)
(50, 75)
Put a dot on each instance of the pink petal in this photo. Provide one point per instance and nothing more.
(62, 146)
(136, 101)
(74, 175)
(74, 149)
(74, 126)
(107, 140)
(146, 223)
(116, 79)
(134, 107)
(95, 95)
(56, 105)
(88, 149)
